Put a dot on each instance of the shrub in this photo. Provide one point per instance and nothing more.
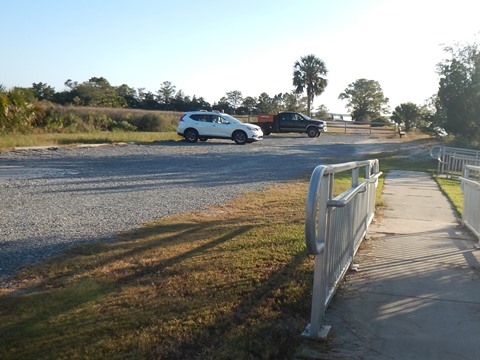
(123, 126)
(74, 123)
(45, 116)
(153, 122)
(100, 122)
(19, 110)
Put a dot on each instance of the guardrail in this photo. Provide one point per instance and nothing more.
(334, 229)
(363, 128)
(452, 161)
(471, 199)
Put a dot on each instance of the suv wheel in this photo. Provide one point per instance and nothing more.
(240, 137)
(191, 135)
(312, 132)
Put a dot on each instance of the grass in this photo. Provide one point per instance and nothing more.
(232, 282)
(453, 190)
(19, 140)
(221, 284)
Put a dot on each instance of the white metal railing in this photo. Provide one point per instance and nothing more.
(357, 127)
(471, 199)
(334, 228)
(451, 161)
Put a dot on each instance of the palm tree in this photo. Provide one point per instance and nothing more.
(310, 73)
(407, 114)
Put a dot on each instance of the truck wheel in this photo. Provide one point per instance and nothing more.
(312, 132)
(240, 137)
(191, 135)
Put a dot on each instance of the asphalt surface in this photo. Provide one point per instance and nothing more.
(54, 198)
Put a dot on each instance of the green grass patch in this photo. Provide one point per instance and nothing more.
(452, 188)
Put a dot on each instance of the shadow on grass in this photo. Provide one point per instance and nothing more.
(197, 288)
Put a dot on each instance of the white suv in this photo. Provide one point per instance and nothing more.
(203, 125)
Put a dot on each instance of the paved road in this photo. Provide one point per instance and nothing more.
(51, 199)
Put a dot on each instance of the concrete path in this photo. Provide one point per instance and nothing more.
(417, 294)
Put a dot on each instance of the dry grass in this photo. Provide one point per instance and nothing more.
(18, 140)
(114, 113)
(230, 283)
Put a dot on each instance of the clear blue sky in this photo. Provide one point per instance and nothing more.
(207, 48)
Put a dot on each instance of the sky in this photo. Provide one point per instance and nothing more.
(211, 47)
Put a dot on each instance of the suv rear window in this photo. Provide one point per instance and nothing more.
(201, 117)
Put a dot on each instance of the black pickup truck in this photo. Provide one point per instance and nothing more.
(289, 121)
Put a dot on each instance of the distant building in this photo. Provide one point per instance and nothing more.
(340, 117)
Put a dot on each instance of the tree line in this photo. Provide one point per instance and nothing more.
(455, 108)
(40, 106)
(98, 92)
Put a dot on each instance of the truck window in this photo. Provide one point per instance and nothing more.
(286, 116)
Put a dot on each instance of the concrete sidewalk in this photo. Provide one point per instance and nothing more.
(417, 294)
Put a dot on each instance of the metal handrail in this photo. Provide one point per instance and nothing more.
(451, 161)
(471, 199)
(438, 156)
(335, 227)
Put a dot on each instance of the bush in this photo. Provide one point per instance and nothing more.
(153, 122)
(74, 123)
(123, 126)
(100, 122)
(19, 110)
(45, 116)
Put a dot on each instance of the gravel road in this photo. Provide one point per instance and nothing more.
(51, 199)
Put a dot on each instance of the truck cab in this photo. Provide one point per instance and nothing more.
(290, 121)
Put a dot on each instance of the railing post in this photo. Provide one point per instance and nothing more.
(355, 175)
(316, 212)
(316, 233)
(315, 328)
